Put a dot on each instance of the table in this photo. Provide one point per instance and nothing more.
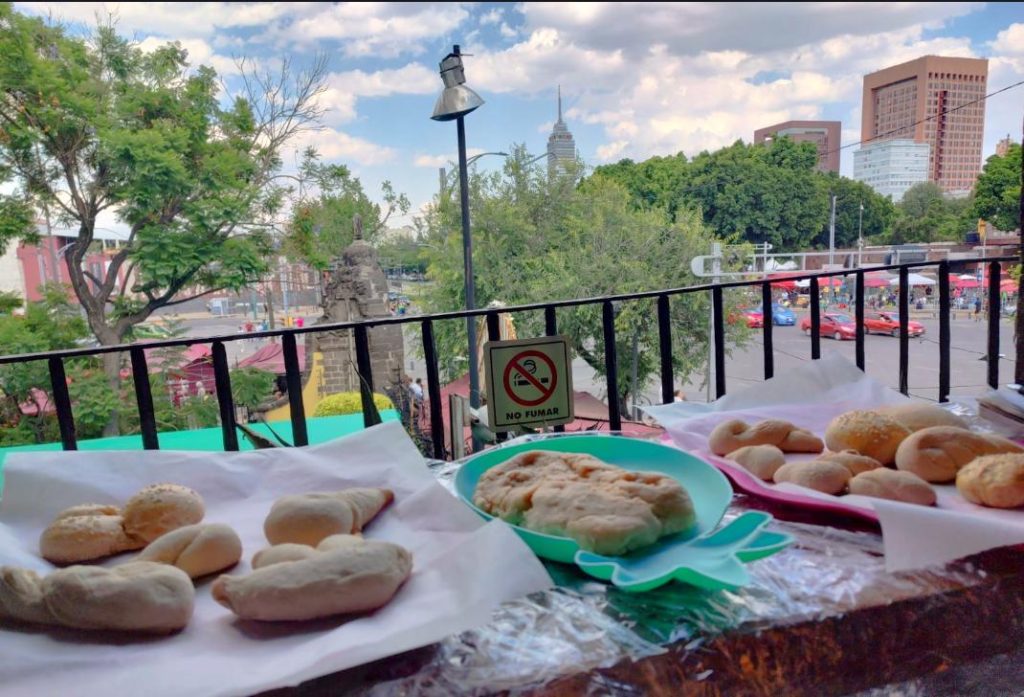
(821, 618)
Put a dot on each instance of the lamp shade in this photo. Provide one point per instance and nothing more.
(457, 99)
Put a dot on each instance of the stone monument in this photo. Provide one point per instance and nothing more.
(357, 289)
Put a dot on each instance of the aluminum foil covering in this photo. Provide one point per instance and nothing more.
(585, 624)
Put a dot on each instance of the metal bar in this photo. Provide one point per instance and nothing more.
(457, 314)
(62, 403)
(611, 369)
(370, 416)
(944, 334)
(766, 332)
(433, 390)
(493, 327)
(550, 321)
(222, 381)
(815, 320)
(994, 312)
(719, 320)
(144, 399)
(905, 330)
(293, 377)
(858, 309)
(665, 350)
(551, 329)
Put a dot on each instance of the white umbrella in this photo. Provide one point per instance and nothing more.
(914, 279)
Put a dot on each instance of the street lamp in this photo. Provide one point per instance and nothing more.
(455, 102)
(444, 174)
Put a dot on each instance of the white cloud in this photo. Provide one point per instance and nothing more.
(345, 88)
(1010, 40)
(338, 146)
(492, 17)
(199, 53)
(436, 161)
(507, 31)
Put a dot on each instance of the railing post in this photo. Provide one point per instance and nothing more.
(611, 369)
(551, 329)
(370, 416)
(944, 334)
(766, 331)
(293, 377)
(144, 399)
(904, 330)
(994, 312)
(433, 390)
(226, 403)
(493, 327)
(815, 320)
(665, 349)
(719, 323)
(62, 403)
(858, 319)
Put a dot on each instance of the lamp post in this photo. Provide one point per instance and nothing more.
(832, 235)
(453, 104)
(860, 235)
(444, 174)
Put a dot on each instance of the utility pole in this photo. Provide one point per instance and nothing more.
(832, 235)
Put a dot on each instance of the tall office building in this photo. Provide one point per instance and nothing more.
(890, 167)
(933, 100)
(561, 146)
(824, 135)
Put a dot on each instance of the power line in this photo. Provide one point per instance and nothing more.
(927, 118)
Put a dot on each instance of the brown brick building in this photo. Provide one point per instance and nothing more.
(897, 98)
(824, 135)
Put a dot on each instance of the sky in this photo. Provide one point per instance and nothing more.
(637, 79)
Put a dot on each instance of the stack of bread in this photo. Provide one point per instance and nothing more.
(319, 564)
(893, 452)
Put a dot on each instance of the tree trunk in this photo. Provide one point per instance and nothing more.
(112, 369)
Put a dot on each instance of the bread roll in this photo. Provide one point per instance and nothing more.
(289, 551)
(160, 508)
(867, 432)
(78, 538)
(885, 483)
(735, 434)
(88, 509)
(308, 518)
(197, 550)
(996, 481)
(356, 576)
(760, 460)
(936, 454)
(820, 475)
(852, 460)
(136, 597)
(918, 415)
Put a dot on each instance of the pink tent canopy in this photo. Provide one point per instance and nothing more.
(877, 279)
(271, 359)
(965, 283)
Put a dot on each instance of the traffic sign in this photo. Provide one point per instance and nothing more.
(529, 383)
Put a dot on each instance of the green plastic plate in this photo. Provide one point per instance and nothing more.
(709, 489)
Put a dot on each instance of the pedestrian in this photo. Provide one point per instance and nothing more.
(977, 308)
(679, 396)
(299, 322)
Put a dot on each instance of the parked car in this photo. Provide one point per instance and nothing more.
(833, 324)
(889, 323)
(781, 316)
(754, 318)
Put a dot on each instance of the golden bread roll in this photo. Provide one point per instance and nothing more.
(160, 508)
(820, 475)
(936, 454)
(852, 460)
(354, 575)
(735, 434)
(996, 481)
(896, 485)
(760, 460)
(919, 415)
(289, 551)
(197, 550)
(78, 538)
(135, 597)
(88, 509)
(308, 518)
(867, 432)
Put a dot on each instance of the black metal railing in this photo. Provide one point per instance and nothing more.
(150, 438)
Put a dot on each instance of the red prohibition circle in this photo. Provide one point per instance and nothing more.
(514, 365)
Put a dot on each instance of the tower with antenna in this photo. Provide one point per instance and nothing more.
(561, 145)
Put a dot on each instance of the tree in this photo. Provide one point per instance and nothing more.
(876, 218)
(321, 224)
(925, 214)
(998, 190)
(98, 125)
(537, 238)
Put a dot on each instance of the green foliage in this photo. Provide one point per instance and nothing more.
(878, 213)
(348, 403)
(403, 253)
(925, 215)
(997, 191)
(537, 239)
(322, 225)
(9, 301)
(251, 387)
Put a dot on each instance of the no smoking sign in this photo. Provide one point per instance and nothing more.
(529, 383)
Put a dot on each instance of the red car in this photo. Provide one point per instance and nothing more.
(754, 318)
(833, 324)
(889, 323)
